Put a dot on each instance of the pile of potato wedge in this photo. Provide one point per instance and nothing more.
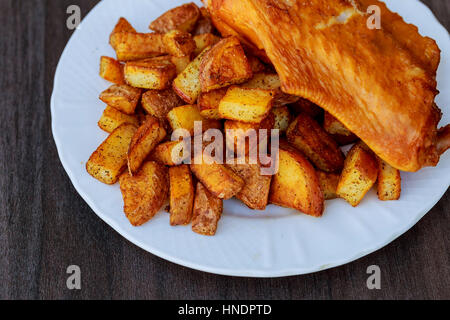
(183, 72)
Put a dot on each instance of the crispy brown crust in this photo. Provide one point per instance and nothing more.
(207, 211)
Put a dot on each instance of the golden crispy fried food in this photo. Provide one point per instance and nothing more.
(225, 64)
(146, 138)
(179, 44)
(337, 130)
(154, 73)
(296, 184)
(328, 184)
(255, 193)
(221, 181)
(170, 153)
(133, 46)
(184, 117)
(305, 134)
(208, 103)
(181, 195)
(122, 26)
(204, 23)
(282, 118)
(111, 70)
(183, 18)
(319, 48)
(112, 119)
(359, 174)
(144, 193)
(122, 97)
(202, 41)
(108, 162)
(158, 103)
(207, 211)
(389, 182)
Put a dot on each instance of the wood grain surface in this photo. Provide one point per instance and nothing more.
(45, 226)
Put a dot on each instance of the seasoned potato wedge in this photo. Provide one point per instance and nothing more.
(270, 81)
(359, 174)
(112, 119)
(389, 182)
(337, 130)
(221, 181)
(122, 26)
(183, 18)
(146, 138)
(255, 193)
(180, 63)
(158, 103)
(181, 195)
(207, 211)
(110, 159)
(238, 133)
(144, 193)
(111, 70)
(306, 106)
(154, 73)
(225, 64)
(208, 103)
(179, 43)
(296, 184)
(134, 46)
(170, 153)
(247, 105)
(328, 184)
(122, 97)
(204, 23)
(309, 137)
(282, 118)
(187, 83)
(203, 41)
(184, 117)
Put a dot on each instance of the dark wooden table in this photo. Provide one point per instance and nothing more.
(45, 226)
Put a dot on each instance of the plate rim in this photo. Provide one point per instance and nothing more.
(251, 273)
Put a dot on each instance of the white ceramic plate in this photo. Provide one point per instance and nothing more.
(276, 242)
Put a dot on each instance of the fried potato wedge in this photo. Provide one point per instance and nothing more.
(203, 41)
(122, 26)
(180, 63)
(221, 181)
(171, 153)
(146, 138)
(112, 119)
(296, 184)
(306, 106)
(337, 130)
(207, 211)
(225, 64)
(158, 103)
(282, 118)
(246, 105)
(153, 73)
(110, 159)
(122, 97)
(389, 182)
(255, 193)
(256, 65)
(111, 70)
(187, 83)
(208, 103)
(328, 184)
(181, 195)
(144, 193)
(133, 46)
(305, 134)
(244, 136)
(179, 43)
(359, 174)
(182, 18)
(184, 117)
(270, 81)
